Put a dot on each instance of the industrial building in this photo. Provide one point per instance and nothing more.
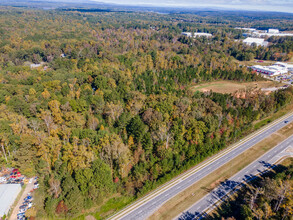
(273, 31)
(255, 41)
(274, 70)
(199, 34)
(246, 29)
(252, 32)
(202, 35)
(8, 194)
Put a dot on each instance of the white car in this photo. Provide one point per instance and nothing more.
(3, 179)
(29, 205)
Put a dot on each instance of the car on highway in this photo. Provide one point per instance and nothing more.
(286, 122)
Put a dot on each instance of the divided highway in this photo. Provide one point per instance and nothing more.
(261, 165)
(145, 206)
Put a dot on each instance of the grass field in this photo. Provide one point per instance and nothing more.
(185, 199)
(232, 86)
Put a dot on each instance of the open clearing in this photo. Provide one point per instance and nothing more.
(185, 199)
(233, 86)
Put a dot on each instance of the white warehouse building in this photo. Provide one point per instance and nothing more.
(199, 34)
(273, 31)
(202, 35)
(257, 41)
(274, 70)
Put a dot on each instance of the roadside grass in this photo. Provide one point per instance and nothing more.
(111, 206)
(185, 199)
(269, 119)
(287, 162)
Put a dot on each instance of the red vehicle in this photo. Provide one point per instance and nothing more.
(260, 61)
(14, 170)
(15, 175)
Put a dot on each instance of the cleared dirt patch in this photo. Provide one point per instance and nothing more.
(232, 86)
(185, 199)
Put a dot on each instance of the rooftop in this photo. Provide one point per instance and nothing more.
(8, 193)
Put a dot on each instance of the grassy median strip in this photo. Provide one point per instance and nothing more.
(185, 199)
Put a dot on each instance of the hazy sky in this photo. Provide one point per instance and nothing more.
(262, 5)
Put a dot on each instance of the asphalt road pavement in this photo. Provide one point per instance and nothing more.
(221, 193)
(146, 206)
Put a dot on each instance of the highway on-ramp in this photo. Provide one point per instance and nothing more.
(228, 187)
(145, 206)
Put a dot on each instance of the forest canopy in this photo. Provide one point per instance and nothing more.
(98, 105)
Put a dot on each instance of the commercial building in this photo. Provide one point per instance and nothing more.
(8, 194)
(274, 70)
(252, 32)
(273, 31)
(255, 41)
(202, 35)
(246, 29)
(265, 34)
(199, 34)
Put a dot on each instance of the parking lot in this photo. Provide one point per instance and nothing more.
(25, 202)
(14, 176)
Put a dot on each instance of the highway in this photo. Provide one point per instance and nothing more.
(219, 194)
(147, 205)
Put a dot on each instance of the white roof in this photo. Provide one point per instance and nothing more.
(281, 64)
(201, 33)
(253, 40)
(8, 193)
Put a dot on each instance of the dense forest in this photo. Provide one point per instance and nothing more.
(99, 105)
(268, 197)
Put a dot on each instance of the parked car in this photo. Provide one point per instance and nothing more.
(15, 170)
(22, 210)
(3, 179)
(28, 198)
(23, 207)
(29, 205)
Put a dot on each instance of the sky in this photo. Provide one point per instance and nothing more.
(259, 5)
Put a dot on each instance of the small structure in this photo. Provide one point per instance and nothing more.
(257, 41)
(8, 194)
(35, 65)
(273, 31)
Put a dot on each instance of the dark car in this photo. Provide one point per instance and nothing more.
(28, 198)
(286, 122)
(21, 214)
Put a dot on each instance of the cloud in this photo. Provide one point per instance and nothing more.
(260, 5)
